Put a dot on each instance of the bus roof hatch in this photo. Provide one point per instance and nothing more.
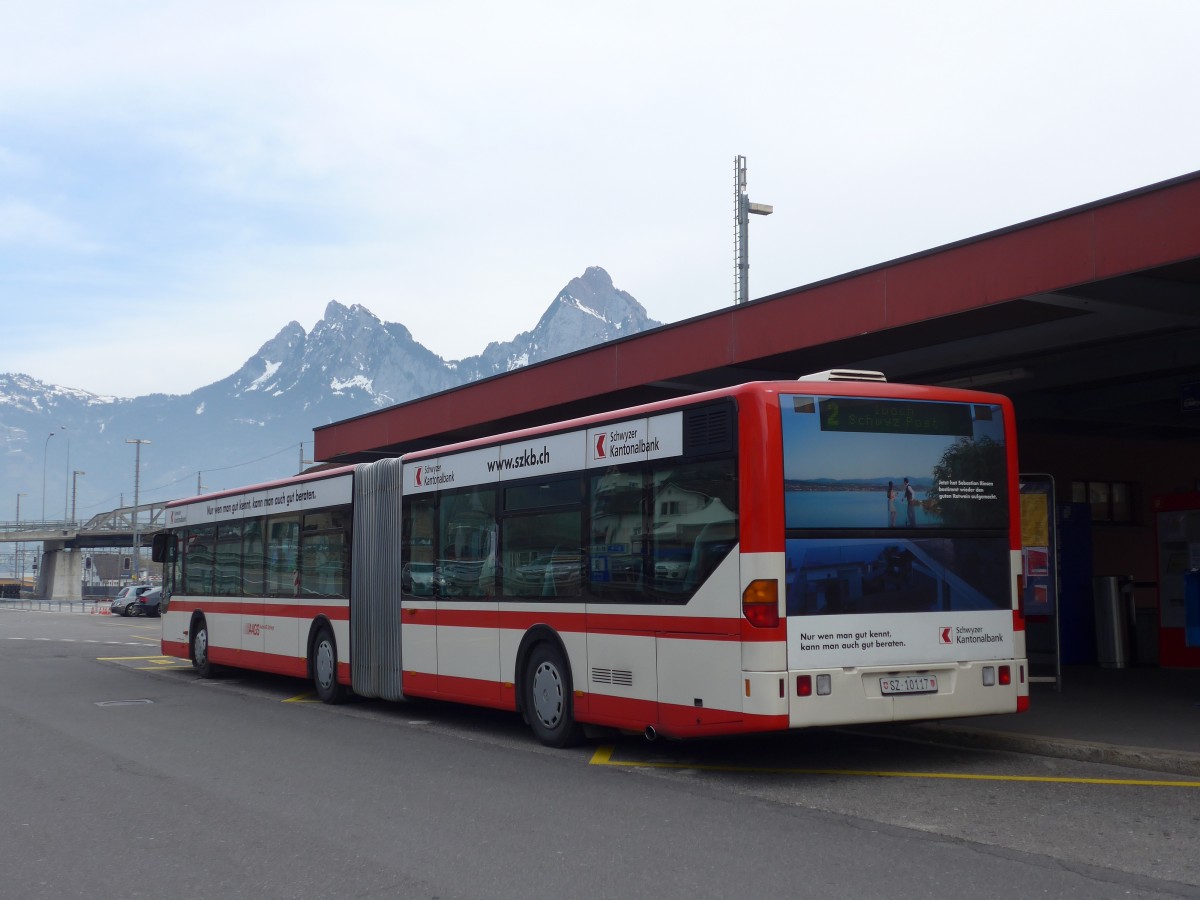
(844, 375)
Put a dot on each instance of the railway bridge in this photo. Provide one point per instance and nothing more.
(65, 545)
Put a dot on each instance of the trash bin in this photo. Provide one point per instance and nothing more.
(1113, 595)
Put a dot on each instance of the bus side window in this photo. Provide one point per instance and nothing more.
(467, 542)
(253, 577)
(617, 533)
(228, 559)
(283, 556)
(540, 535)
(421, 575)
(693, 524)
(324, 553)
(198, 561)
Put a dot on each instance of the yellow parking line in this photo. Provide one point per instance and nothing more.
(302, 698)
(159, 662)
(603, 757)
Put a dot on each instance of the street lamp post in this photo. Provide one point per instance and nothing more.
(20, 546)
(74, 484)
(137, 475)
(743, 209)
(66, 474)
(45, 447)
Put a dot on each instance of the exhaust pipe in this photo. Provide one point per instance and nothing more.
(651, 734)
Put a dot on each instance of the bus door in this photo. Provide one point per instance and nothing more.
(281, 584)
(468, 626)
(421, 583)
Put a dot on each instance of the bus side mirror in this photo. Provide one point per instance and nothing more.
(163, 549)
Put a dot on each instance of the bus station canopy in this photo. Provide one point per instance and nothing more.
(1089, 319)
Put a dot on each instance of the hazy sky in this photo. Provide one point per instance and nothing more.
(179, 180)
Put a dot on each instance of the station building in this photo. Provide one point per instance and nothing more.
(1089, 319)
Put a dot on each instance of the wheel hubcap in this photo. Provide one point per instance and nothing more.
(325, 664)
(547, 694)
(202, 647)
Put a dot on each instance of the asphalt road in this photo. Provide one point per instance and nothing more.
(123, 775)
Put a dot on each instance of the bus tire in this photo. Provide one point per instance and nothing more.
(548, 701)
(324, 667)
(201, 662)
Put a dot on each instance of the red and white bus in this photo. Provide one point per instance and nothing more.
(776, 555)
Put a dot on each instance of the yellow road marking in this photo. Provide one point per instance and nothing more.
(159, 662)
(302, 698)
(603, 757)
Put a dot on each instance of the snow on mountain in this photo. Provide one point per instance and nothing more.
(588, 311)
(350, 363)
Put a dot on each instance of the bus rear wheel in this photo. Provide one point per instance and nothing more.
(549, 699)
(324, 668)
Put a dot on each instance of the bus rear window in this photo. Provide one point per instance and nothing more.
(856, 463)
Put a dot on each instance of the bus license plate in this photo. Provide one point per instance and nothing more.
(909, 684)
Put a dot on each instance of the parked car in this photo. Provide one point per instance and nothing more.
(147, 604)
(126, 596)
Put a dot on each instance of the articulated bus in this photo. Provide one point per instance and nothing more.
(775, 555)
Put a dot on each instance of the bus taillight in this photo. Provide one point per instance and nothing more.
(760, 603)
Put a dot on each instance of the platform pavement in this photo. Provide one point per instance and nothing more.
(1140, 717)
(1145, 718)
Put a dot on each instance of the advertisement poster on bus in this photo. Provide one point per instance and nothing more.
(919, 489)
(264, 501)
(883, 463)
(867, 640)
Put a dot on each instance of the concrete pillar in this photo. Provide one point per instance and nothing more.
(60, 575)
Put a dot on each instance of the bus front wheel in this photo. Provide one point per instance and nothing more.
(548, 697)
(200, 661)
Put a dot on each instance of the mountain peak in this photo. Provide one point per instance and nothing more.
(246, 426)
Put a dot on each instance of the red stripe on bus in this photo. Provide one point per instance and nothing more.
(628, 713)
(681, 627)
(674, 720)
(418, 684)
(476, 691)
(255, 606)
(275, 663)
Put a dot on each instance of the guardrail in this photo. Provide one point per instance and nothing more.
(87, 605)
(149, 518)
